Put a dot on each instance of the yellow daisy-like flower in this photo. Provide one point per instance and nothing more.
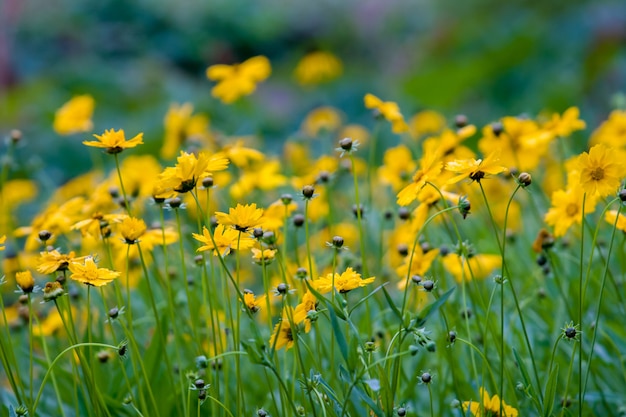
(490, 406)
(132, 229)
(114, 141)
(318, 67)
(2, 240)
(389, 110)
(301, 313)
(475, 169)
(189, 168)
(53, 261)
(251, 301)
(566, 209)
(610, 218)
(25, 281)
(241, 218)
(226, 239)
(282, 336)
(75, 116)
(600, 171)
(238, 80)
(89, 273)
(430, 168)
(347, 281)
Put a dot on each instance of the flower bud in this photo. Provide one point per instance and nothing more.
(308, 191)
(524, 179)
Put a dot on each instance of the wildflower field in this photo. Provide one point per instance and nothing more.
(372, 262)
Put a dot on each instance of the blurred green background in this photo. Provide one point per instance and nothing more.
(484, 58)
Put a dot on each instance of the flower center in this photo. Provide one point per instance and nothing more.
(597, 174)
(571, 209)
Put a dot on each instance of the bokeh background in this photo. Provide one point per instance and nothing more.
(483, 58)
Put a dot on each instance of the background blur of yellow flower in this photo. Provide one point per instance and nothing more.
(426, 122)
(318, 67)
(75, 115)
(389, 110)
(238, 80)
(321, 119)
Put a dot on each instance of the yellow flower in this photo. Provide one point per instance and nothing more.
(52, 261)
(181, 125)
(420, 264)
(93, 226)
(276, 213)
(610, 218)
(2, 240)
(566, 209)
(225, 240)
(611, 132)
(398, 164)
(430, 169)
(75, 115)
(301, 313)
(242, 218)
(600, 171)
(251, 301)
(321, 119)
(478, 266)
(318, 67)
(389, 110)
(563, 126)
(427, 122)
(235, 81)
(114, 141)
(189, 168)
(89, 273)
(132, 229)
(265, 176)
(475, 169)
(347, 281)
(263, 257)
(25, 281)
(490, 407)
(282, 336)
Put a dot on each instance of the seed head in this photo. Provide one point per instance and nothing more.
(308, 192)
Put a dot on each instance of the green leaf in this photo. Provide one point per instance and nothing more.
(550, 393)
(392, 304)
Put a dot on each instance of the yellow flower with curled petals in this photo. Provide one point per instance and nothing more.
(2, 240)
(389, 110)
(238, 80)
(75, 115)
(132, 229)
(89, 273)
(114, 141)
(25, 281)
